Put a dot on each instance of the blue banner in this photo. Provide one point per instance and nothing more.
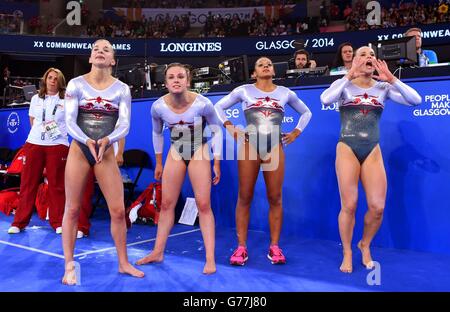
(68, 45)
(438, 34)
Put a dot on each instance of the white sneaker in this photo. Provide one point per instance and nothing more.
(13, 230)
(58, 230)
(80, 234)
(134, 212)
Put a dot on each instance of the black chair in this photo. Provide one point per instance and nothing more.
(6, 157)
(134, 158)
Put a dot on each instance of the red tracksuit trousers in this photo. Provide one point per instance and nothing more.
(53, 158)
(38, 157)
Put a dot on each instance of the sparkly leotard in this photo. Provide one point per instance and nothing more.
(361, 109)
(186, 129)
(264, 112)
(94, 114)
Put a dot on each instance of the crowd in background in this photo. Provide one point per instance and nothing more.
(405, 14)
(401, 13)
(146, 28)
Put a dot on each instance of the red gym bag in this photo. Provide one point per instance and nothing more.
(9, 200)
(17, 163)
(146, 206)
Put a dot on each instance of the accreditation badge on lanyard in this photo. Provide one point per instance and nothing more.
(50, 128)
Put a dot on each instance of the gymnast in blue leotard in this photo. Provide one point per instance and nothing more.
(358, 156)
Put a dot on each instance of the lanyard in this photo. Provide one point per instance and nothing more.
(43, 117)
(43, 111)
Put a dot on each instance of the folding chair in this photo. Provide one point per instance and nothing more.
(134, 158)
(6, 157)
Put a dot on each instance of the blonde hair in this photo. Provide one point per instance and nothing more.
(61, 83)
(357, 50)
(184, 66)
(412, 29)
(112, 48)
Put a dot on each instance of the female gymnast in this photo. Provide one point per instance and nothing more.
(95, 103)
(358, 155)
(184, 113)
(263, 104)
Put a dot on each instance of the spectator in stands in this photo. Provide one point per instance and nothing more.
(4, 82)
(425, 57)
(347, 11)
(94, 126)
(302, 60)
(343, 60)
(47, 147)
(6, 74)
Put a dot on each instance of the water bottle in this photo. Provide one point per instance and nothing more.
(423, 60)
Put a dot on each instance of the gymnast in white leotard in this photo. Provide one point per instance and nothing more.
(93, 114)
(186, 128)
(94, 103)
(263, 104)
(184, 113)
(264, 112)
(358, 155)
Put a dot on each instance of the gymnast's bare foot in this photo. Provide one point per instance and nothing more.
(127, 268)
(366, 256)
(150, 258)
(70, 275)
(210, 267)
(347, 264)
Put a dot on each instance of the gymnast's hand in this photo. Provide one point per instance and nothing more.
(355, 71)
(119, 159)
(158, 171)
(288, 138)
(92, 145)
(235, 132)
(384, 74)
(102, 144)
(216, 169)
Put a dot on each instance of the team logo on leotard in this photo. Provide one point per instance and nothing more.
(182, 124)
(364, 99)
(98, 104)
(266, 102)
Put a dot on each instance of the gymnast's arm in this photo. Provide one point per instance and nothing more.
(403, 94)
(226, 102)
(301, 108)
(334, 92)
(124, 117)
(71, 113)
(213, 121)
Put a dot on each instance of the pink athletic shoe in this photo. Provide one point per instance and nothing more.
(275, 255)
(239, 256)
